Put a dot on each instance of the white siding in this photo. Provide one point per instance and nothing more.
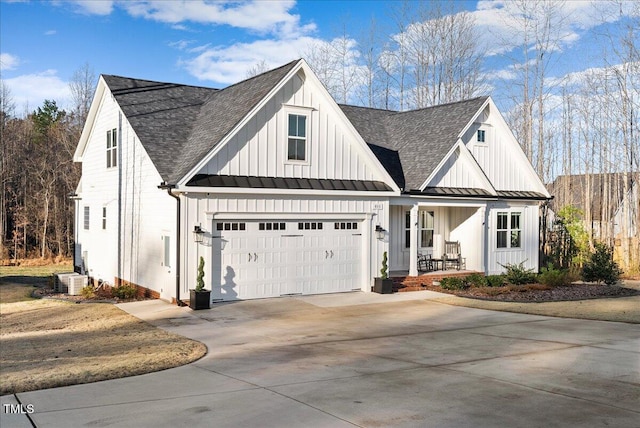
(199, 208)
(398, 253)
(143, 213)
(528, 253)
(501, 157)
(260, 147)
(466, 225)
(456, 172)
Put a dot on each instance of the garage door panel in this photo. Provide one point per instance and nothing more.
(299, 257)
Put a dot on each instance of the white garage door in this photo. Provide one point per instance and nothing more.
(255, 259)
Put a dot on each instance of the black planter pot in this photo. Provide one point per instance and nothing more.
(199, 299)
(383, 286)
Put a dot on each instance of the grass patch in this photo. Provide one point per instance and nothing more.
(48, 343)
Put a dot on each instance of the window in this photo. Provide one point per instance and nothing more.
(166, 259)
(231, 226)
(112, 148)
(104, 218)
(481, 136)
(346, 225)
(310, 225)
(272, 226)
(297, 138)
(508, 230)
(425, 229)
(86, 218)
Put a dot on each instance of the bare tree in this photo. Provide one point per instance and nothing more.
(82, 85)
(539, 24)
(257, 68)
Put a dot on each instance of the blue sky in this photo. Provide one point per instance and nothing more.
(215, 43)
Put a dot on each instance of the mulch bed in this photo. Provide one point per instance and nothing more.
(100, 297)
(536, 293)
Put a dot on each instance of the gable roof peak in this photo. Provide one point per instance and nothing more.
(482, 98)
(257, 76)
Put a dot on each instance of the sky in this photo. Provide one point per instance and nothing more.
(214, 44)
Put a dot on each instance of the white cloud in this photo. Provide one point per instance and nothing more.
(50, 33)
(256, 15)
(95, 7)
(30, 90)
(501, 22)
(229, 64)
(8, 61)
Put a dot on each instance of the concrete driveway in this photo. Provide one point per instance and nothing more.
(366, 360)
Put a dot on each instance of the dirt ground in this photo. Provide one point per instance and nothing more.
(49, 343)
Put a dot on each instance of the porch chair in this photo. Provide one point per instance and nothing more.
(424, 263)
(452, 256)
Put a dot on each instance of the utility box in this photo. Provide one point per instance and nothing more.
(77, 283)
(61, 282)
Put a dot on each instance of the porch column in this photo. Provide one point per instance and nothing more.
(483, 239)
(413, 244)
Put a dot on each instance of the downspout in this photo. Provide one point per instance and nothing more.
(74, 197)
(170, 187)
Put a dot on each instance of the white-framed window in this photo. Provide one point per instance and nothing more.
(104, 218)
(166, 253)
(425, 229)
(86, 218)
(481, 136)
(509, 229)
(297, 137)
(112, 148)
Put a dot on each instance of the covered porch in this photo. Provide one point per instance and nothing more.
(422, 232)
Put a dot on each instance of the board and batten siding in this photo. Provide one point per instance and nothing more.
(129, 193)
(528, 253)
(259, 148)
(99, 190)
(500, 156)
(456, 172)
(199, 208)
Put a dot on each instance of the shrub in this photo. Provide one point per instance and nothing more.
(383, 271)
(453, 283)
(554, 277)
(517, 274)
(476, 280)
(495, 280)
(87, 292)
(601, 267)
(200, 277)
(125, 292)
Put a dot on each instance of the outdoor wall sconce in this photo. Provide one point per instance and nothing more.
(380, 232)
(198, 234)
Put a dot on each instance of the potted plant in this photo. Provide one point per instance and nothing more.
(200, 298)
(383, 284)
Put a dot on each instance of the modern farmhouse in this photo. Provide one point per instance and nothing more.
(282, 191)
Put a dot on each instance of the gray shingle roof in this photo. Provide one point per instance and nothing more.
(421, 137)
(179, 124)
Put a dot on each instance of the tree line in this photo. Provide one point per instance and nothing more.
(425, 53)
(38, 174)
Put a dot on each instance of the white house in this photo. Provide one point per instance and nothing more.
(288, 188)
